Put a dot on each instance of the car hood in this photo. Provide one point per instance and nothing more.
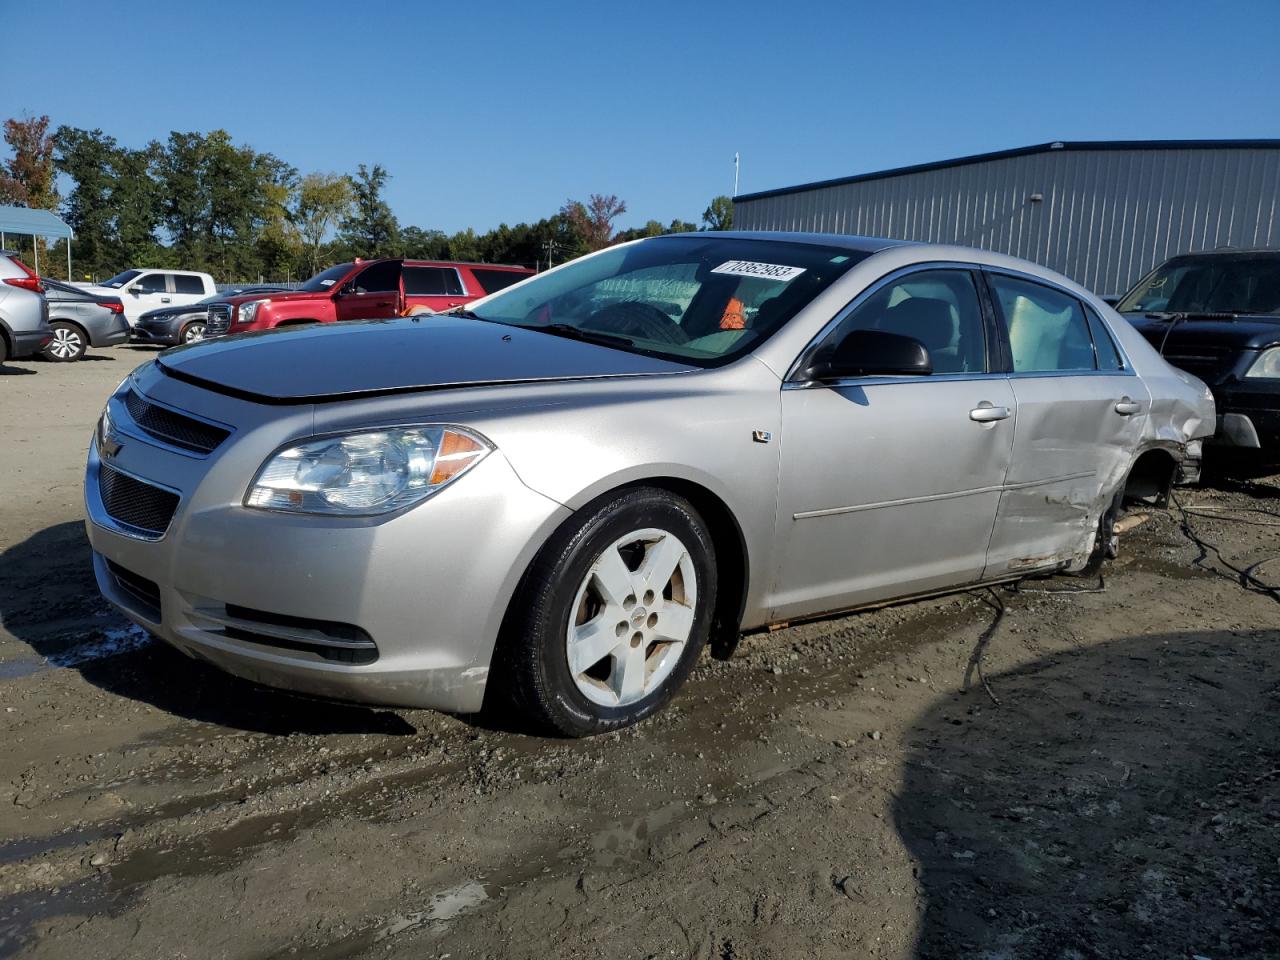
(276, 295)
(371, 357)
(1240, 332)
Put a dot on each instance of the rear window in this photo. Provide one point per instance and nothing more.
(494, 280)
(432, 282)
(182, 283)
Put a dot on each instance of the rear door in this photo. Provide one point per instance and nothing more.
(1080, 416)
(188, 288)
(889, 485)
(372, 294)
(436, 288)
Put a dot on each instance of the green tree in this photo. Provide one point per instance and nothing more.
(86, 157)
(420, 244)
(136, 197)
(370, 229)
(323, 200)
(719, 214)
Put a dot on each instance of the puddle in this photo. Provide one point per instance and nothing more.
(112, 644)
(16, 669)
(442, 907)
(17, 850)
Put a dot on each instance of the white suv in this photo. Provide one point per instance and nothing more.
(143, 290)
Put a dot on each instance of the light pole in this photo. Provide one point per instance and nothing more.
(735, 173)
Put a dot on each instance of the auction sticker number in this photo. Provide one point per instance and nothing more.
(764, 271)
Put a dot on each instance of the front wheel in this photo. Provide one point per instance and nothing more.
(192, 332)
(67, 345)
(613, 614)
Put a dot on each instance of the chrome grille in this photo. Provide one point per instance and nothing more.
(173, 427)
(136, 504)
(219, 321)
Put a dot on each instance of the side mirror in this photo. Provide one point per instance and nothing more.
(870, 353)
(135, 291)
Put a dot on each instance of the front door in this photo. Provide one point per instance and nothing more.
(373, 294)
(889, 485)
(1080, 416)
(150, 291)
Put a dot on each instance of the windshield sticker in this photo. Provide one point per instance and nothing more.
(764, 271)
(327, 283)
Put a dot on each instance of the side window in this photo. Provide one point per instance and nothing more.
(432, 282)
(379, 278)
(1048, 332)
(151, 283)
(185, 283)
(1108, 353)
(495, 280)
(940, 308)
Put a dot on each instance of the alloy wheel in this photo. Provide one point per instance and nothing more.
(632, 616)
(67, 344)
(193, 332)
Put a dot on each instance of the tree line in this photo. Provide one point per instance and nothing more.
(200, 201)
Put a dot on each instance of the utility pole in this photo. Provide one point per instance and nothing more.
(735, 173)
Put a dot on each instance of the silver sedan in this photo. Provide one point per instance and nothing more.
(562, 495)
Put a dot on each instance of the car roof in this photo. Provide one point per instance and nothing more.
(1230, 252)
(841, 241)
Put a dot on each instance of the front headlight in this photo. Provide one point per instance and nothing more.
(249, 310)
(367, 473)
(1267, 365)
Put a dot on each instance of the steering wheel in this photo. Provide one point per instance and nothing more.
(637, 319)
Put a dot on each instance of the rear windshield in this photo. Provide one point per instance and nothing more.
(698, 299)
(1216, 284)
(326, 278)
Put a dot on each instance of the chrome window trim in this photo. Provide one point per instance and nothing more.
(811, 347)
(462, 284)
(1126, 368)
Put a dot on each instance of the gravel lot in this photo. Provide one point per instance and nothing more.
(851, 788)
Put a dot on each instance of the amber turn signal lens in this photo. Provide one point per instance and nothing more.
(457, 452)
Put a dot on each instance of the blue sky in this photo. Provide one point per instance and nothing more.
(497, 111)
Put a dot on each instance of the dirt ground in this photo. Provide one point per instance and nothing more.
(1085, 775)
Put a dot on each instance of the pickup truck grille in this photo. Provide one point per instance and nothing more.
(219, 321)
(172, 427)
(136, 504)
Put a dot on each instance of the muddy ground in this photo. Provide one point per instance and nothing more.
(1106, 785)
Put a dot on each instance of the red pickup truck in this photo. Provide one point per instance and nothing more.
(364, 290)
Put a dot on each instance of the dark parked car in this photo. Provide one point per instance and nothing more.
(81, 319)
(186, 323)
(1217, 315)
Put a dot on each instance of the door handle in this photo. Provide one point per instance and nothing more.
(986, 412)
(1127, 407)
(164, 299)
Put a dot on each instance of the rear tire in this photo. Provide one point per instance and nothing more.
(612, 615)
(68, 344)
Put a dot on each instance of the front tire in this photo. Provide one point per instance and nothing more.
(68, 344)
(613, 613)
(192, 332)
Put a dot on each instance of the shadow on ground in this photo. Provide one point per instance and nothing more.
(50, 601)
(1122, 801)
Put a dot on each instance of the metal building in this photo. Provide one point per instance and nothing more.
(1102, 213)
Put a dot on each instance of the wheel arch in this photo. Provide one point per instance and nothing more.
(1151, 475)
(84, 331)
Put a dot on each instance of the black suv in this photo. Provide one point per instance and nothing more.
(1217, 315)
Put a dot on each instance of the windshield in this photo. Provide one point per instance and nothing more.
(120, 279)
(326, 279)
(1215, 284)
(700, 299)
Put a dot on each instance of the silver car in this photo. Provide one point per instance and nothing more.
(560, 496)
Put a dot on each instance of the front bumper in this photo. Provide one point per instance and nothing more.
(153, 333)
(266, 595)
(1249, 418)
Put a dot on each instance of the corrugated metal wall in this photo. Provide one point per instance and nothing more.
(1106, 217)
